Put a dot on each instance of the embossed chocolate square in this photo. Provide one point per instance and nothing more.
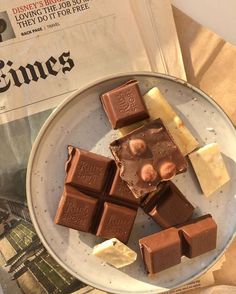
(76, 210)
(86, 170)
(147, 156)
(124, 105)
(116, 221)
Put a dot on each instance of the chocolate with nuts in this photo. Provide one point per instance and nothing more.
(146, 157)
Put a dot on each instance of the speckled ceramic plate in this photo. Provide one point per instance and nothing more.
(80, 121)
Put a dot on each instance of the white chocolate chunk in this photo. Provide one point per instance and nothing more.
(209, 167)
(158, 107)
(115, 253)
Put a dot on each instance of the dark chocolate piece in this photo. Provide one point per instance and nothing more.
(199, 236)
(124, 105)
(99, 202)
(161, 250)
(165, 248)
(168, 206)
(76, 210)
(116, 221)
(86, 170)
(147, 156)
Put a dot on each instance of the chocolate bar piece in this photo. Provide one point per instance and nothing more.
(86, 170)
(76, 210)
(116, 221)
(165, 248)
(161, 250)
(124, 105)
(146, 157)
(95, 199)
(210, 168)
(199, 236)
(115, 253)
(158, 107)
(167, 206)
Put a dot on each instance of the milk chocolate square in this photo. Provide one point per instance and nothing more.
(86, 170)
(124, 105)
(146, 157)
(111, 204)
(199, 236)
(161, 250)
(76, 210)
(116, 222)
(168, 206)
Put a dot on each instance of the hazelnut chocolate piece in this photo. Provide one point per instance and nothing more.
(124, 105)
(147, 156)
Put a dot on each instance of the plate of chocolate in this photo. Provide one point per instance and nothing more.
(131, 183)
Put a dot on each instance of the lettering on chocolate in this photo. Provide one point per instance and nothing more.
(75, 213)
(126, 102)
(89, 172)
(24, 75)
(117, 225)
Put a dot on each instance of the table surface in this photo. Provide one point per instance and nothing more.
(217, 15)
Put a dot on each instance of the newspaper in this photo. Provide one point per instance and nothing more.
(50, 48)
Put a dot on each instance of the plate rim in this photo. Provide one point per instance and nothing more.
(44, 128)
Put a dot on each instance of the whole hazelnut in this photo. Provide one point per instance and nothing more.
(167, 170)
(137, 146)
(148, 173)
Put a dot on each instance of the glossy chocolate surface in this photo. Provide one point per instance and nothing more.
(124, 105)
(146, 157)
(95, 199)
(165, 248)
(116, 221)
(167, 206)
(199, 236)
(87, 171)
(76, 210)
(161, 250)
